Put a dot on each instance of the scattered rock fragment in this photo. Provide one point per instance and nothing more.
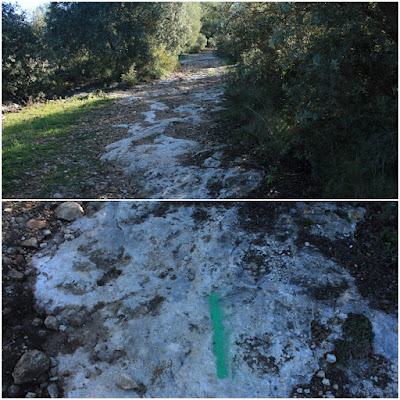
(53, 362)
(14, 274)
(51, 322)
(13, 390)
(69, 211)
(52, 390)
(321, 374)
(32, 364)
(126, 382)
(326, 382)
(31, 243)
(331, 358)
(37, 322)
(36, 224)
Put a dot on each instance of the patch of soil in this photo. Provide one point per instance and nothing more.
(262, 216)
(371, 257)
(23, 323)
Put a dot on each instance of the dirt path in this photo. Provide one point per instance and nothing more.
(162, 139)
(172, 150)
(170, 299)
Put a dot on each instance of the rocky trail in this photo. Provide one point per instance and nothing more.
(172, 150)
(194, 299)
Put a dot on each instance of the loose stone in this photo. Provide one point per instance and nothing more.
(32, 364)
(31, 243)
(36, 224)
(13, 390)
(326, 382)
(126, 382)
(14, 274)
(52, 390)
(51, 323)
(331, 358)
(53, 362)
(69, 211)
(321, 374)
(37, 322)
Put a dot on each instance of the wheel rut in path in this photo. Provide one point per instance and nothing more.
(172, 151)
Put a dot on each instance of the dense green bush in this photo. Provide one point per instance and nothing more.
(320, 80)
(68, 44)
(25, 71)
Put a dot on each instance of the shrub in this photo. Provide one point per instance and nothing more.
(319, 80)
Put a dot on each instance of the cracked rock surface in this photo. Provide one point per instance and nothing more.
(132, 290)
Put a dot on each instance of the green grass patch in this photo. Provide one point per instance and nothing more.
(39, 134)
(220, 335)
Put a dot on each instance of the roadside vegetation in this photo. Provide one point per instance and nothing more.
(67, 45)
(318, 81)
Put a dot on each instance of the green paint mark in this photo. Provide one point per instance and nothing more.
(220, 336)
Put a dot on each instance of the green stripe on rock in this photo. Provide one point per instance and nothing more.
(220, 335)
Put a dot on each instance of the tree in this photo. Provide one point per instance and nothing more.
(23, 67)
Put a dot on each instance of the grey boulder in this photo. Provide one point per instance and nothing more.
(32, 364)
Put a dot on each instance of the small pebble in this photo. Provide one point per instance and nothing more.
(299, 390)
(30, 395)
(321, 374)
(307, 244)
(13, 390)
(51, 322)
(307, 391)
(320, 393)
(326, 382)
(331, 358)
(52, 390)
